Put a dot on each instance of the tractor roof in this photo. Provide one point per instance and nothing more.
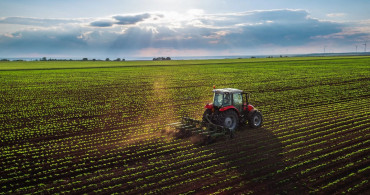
(227, 90)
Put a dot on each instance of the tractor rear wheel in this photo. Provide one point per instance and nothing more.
(255, 119)
(229, 119)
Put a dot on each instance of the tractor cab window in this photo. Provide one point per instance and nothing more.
(217, 99)
(221, 100)
(238, 101)
(227, 100)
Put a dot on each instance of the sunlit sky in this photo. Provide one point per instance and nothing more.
(152, 28)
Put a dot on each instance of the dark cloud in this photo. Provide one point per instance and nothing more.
(125, 20)
(49, 42)
(282, 33)
(102, 23)
(121, 20)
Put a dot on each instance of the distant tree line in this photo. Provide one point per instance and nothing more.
(7, 60)
(107, 59)
(51, 59)
(161, 58)
(83, 59)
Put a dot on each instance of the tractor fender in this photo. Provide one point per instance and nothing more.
(209, 106)
(228, 108)
(250, 107)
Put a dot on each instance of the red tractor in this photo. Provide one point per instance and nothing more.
(230, 108)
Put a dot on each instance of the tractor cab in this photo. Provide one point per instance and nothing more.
(228, 97)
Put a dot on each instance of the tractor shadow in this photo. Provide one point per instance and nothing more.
(255, 156)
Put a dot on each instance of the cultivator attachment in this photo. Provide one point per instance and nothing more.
(207, 131)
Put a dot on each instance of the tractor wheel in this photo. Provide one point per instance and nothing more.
(229, 120)
(207, 112)
(255, 119)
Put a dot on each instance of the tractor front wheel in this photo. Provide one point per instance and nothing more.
(229, 120)
(255, 119)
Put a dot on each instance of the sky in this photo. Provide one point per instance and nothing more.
(153, 28)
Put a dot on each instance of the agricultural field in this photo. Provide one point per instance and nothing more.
(102, 127)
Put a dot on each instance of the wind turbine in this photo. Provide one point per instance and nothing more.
(365, 45)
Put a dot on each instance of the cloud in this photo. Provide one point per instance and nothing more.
(336, 15)
(121, 20)
(37, 21)
(194, 31)
(256, 18)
